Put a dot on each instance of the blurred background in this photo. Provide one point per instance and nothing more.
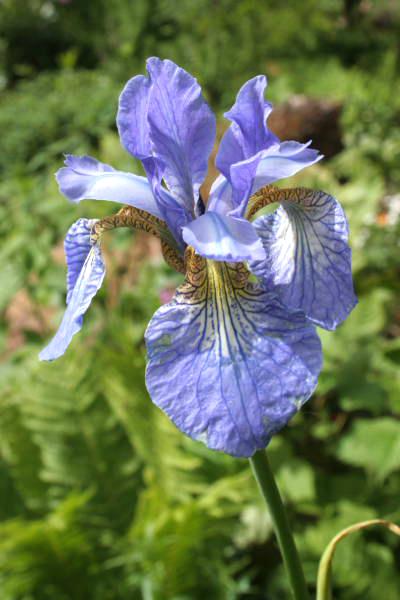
(101, 498)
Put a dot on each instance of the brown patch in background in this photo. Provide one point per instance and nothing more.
(302, 118)
(23, 315)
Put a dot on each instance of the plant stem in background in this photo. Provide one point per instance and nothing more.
(324, 584)
(266, 481)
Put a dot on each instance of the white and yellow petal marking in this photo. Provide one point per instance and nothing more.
(227, 362)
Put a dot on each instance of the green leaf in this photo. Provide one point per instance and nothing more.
(373, 445)
(297, 481)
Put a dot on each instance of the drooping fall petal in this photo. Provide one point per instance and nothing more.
(227, 362)
(86, 270)
(308, 262)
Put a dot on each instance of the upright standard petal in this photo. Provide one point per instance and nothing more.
(250, 155)
(182, 129)
(308, 264)
(227, 363)
(132, 123)
(86, 272)
(248, 133)
(84, 177)
(134, 131)
(223, 238)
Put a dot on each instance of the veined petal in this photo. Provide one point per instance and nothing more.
(220, 197)
(82, 287)
(267, 166)
(248, 133)
(227, 363)
(134, 131)
(174, 213)
(224, 238)
(84, 177)
(182, 129)
(308, 264)
(250, 155)
(284, 160)
(132, 123)
(77, 246)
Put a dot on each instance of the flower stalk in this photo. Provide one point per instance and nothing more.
(264, 476)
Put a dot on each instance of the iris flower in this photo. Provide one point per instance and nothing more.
(235, 354)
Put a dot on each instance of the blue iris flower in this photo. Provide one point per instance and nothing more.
(235, 354)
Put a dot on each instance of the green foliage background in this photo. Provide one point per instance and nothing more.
(101, 498)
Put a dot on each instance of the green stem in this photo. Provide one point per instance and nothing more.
(265, 479)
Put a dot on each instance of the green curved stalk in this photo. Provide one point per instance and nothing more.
(324, 586)
(266, 481)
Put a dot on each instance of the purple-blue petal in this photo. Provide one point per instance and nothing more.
(172, 211)
(283, 160)
(248, 133)
(308, 264)
(227, 362)
(250, 155)
(77, 246)
(134, 131)
(132, 123)
(82, 288)
(182, 129)
(220, 197)
(84, 177)
(224, 238)
(277, 162)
